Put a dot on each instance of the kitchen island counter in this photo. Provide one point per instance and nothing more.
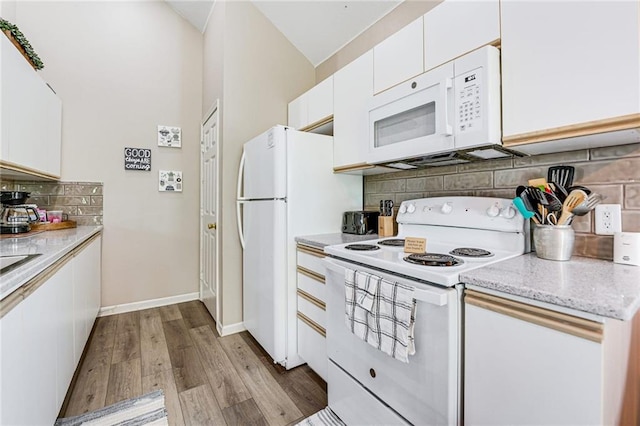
(51, 245)
(322, 240)
(594, 286)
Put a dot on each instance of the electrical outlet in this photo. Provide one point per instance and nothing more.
(608, 219)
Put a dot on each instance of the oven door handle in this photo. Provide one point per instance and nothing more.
(434, 297)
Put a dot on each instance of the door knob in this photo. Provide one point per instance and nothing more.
(211, 225)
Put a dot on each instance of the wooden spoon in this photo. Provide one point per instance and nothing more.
(575, 198)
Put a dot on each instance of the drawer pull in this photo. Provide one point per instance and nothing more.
(313, 275)
(372, 373)
(311, 323)
(564, 323)
(319, 303)
(311, 250)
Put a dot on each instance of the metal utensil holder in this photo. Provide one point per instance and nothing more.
(553, 242)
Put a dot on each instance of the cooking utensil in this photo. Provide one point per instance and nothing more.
(389, 207)
(574, 198)
(561, 174)
(583, 188)
(588, 204)
(559, 191)
(519, 203)
(530, 207)
(14, 198)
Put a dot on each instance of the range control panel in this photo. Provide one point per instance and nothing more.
(465, 212)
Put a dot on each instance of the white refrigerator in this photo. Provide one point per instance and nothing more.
(286, 188)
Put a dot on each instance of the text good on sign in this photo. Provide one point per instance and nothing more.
(137, 159)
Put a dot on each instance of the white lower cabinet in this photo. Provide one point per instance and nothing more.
(40, 335)
(312, 346)
(529, 365)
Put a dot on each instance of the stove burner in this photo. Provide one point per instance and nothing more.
(471, 252)
(393, 242)
(433, 259)
(362, 247)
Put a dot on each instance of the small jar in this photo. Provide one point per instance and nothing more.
(553, 242)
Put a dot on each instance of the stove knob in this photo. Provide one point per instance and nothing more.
(411, 208)
(402, 209)
(446, 208)
(494, 210)
(509, 212)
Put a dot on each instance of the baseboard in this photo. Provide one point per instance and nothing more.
(146, 304)
(230, 329)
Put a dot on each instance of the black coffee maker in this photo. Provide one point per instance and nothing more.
(16, 215)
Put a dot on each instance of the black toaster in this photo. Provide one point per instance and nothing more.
(360, 222)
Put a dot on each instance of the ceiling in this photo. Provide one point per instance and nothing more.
(318, 28)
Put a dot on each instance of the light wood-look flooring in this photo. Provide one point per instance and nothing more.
(207, 379)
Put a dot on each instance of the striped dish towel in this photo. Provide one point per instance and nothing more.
(381, 312)
(324, 417)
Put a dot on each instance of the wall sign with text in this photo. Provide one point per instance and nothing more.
(137, 159)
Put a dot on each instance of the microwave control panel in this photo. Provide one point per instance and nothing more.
(468, 95)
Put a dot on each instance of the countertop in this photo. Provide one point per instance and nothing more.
(52, 245)
(323, 240)
(590, 285)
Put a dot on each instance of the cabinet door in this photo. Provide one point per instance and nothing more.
(320, 101)
(520, 373)
(399, 57)
(31, 116)
(568, 63)
(454, 28)
(64, 319)
(12, 386)
(297, 117)
(86, 292)
(353, 90)
(40, 334)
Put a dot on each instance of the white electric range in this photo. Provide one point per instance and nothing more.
(367, 386)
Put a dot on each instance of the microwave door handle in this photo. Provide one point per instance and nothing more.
(447, 85)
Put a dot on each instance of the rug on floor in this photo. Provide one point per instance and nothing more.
(145, 410)
(324, 417)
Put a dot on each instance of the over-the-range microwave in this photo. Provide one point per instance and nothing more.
(448, 115)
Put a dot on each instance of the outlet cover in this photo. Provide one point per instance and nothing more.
(608, 219)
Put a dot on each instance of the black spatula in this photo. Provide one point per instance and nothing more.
(561, 174)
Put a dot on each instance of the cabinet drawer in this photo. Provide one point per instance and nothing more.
(311, 307)
(310, 284)
(311, 259)
(312, 347)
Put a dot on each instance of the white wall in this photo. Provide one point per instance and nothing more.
(262, 71)
(121, 69)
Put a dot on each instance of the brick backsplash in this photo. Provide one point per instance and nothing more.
(613, 172)
(81, 201)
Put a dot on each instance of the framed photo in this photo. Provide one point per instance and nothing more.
(170, 136)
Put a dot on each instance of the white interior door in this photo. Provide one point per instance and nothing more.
(209, 286)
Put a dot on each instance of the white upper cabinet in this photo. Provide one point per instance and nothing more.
(456, 27)
(31, 117)
(569, 69)
(312, 108)
(353, 90)
(399, 57)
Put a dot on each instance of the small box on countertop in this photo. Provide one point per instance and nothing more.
(387, 226)
(626, 248)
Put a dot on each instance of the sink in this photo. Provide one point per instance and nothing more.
(9, 263)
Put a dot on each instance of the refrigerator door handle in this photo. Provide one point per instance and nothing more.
(239, 221)
(239, 199)
(240, 177)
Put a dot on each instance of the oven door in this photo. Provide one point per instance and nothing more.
(413, 119)
(423, 391)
